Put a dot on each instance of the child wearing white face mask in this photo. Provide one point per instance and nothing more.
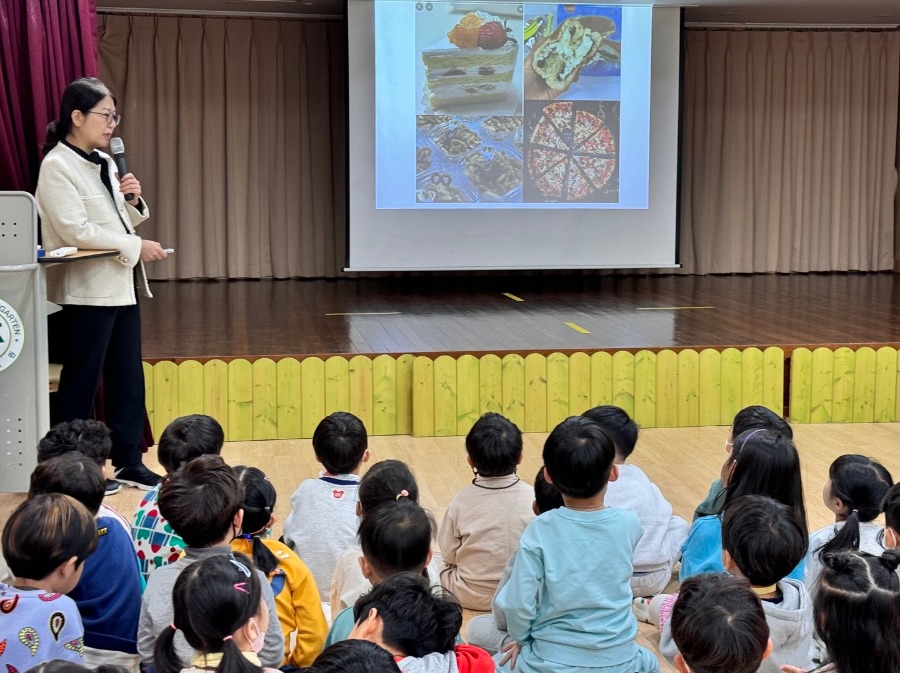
(218, 606)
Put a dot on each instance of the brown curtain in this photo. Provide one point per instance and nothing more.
(789, 150)
(235, 128)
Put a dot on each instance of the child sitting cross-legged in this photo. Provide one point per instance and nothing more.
(108, 594)
(418, 624)
(761, 542)
(45, 542)
(719, 626)
(203, 502)
(218, 607)
(296, 595)
(568, 600)
(483, 523)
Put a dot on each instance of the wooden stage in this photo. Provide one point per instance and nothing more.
(427, 355)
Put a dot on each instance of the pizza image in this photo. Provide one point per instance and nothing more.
(571, 154)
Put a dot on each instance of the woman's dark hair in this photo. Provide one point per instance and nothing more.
(385, 481)
(861, 484)
(189, 437)
(63, 666)
(765, 462)
(495, 445)
(546, 495)
(891, 507)
(857, 608)
(418, 620)
(46, 531)
(353, 656)
(82, 94)
(211, 600)
(763, 538)
(92, 438)
(719, 625)
(616, 423)
(259, 503)
(757, 417)
(71, 474)
(340, 441)
(396, 537)
(578, 456)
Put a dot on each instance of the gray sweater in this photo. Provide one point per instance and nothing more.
(157, 612)
(790, 628)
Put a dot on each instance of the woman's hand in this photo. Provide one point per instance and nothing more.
(129, 185)
(511, 653)
(791, 669)
(151, 251)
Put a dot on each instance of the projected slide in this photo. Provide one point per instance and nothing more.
(511, 105)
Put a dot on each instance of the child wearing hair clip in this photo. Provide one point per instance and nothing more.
(296, 594)
(219, 608)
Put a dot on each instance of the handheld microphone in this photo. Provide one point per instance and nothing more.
(117, 147)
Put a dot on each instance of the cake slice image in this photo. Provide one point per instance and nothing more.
(474, 64)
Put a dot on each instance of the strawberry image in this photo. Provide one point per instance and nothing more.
(493, 35)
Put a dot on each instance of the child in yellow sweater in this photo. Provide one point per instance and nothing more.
(296, 594)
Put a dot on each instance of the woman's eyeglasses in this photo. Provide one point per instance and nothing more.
(111, 117)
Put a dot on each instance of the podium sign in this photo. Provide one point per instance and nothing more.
(24, 385)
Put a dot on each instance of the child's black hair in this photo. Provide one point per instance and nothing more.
(765, 462)
(396, 537)
(44, 532)
(64, 666)
(891, 507)
(340, 441)
(259, 503)
(546, 495)
(719, 625)
(578, 456)
(72, 474)
(418, 620)
(385, 481)
(189, 437)
(857, 608)
(353, 656)
(201, 500)
(211, 600)
(763, 538)
(92, 438)
(757, 417)
(616, 423)
(861, 484)
(494, 445)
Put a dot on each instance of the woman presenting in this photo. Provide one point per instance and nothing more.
(82, 203)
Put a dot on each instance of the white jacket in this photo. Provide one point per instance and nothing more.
(77, 210)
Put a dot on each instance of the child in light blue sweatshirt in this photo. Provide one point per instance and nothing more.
(567, 604)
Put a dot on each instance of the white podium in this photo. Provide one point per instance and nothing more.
(24, 389)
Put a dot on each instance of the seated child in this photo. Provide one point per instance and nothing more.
(296, 595)
(568, 600)
(719, 626)
(45, 542)
(108, 594)
(354, 656)
(202, 502)
(395, 538)
(762, 462)
(857, 607)
(418, 625)
(762, 543)
(489, 631)
(483, 523)
(890, 538)
(93, 439)
(219, 608)
(329, 502)
(660, 545)
(385, 481)
(856, 487)
(754, 417)
(184, 439)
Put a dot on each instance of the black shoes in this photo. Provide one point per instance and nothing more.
(138, 476)
(112, 487)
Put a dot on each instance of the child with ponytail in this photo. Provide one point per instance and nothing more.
(296, 594)
(890, 537)
(219, 608)
(854, 491)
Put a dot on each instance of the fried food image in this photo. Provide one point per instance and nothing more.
(440, 189)
(456, 140)
(494, 172)
(423, 159)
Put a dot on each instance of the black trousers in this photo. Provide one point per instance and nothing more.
(95, 340)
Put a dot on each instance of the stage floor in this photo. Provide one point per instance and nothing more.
(201, 320)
